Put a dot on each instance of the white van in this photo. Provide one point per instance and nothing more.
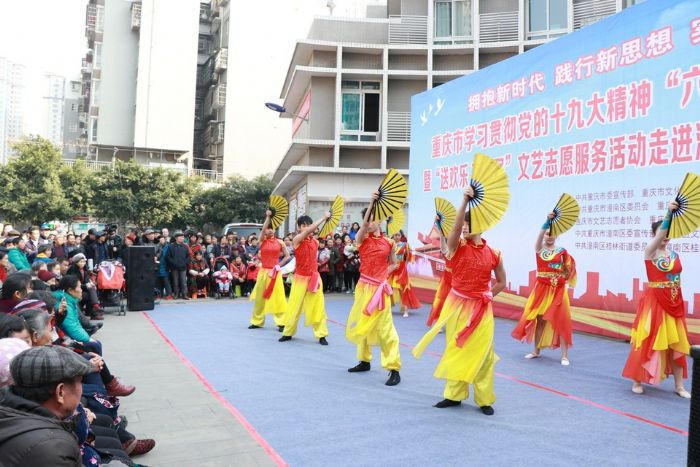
(242, 229)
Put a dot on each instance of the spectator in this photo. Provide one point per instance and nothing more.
(337, 264)
(44, 253)
(58, 249)
(352, 265)
(63, 265)
(290, 247)
(149, 238)
(241, 247)
(164, 286)
(238, 270)
(251, 275)
(54, 268)
(12, 326)
(71, 246)
(223, 281)
(165, 233)
(70, 290)
(353, 230)
(86, 244)
(4, 264)
(114, 242)
(39, 323)
(252, 248)
(212, 247)
(34, 411)
(36, 267)
(45, 236)
(10, 347)
(123, 254)
(32, 244)
(14, 290)
(199, 274)
(99, 248)
(324, 257)
(16, 254)
(48, 278)
(178, 257)
(89, 295)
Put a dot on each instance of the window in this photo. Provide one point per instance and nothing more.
(100, 20)
(547, 18)
(360, 110)
(96, 93)
(75, 86)
(203, 45)
(98, 55)
(74, 107)
(73, 127)
(453, 21)
(93, 130)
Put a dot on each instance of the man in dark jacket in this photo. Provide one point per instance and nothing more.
(178, 259)
(34, 411)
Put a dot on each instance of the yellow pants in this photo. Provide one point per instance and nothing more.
(377, 329)
(276, 305)
(311, 303)
(473, 363)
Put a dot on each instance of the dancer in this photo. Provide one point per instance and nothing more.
(445, 285)
(307, 289)
(268, 292)
(547, 314)
(399, 280)
(370, 321)
(469, 357)
(659, 343)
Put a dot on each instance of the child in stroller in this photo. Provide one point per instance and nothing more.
(223, 280)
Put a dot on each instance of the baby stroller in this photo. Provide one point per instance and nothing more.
(111, 285)
(223, 279)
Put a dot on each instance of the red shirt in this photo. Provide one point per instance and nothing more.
(270, 249)
(472, 265)
(375, 251)
(306, 257)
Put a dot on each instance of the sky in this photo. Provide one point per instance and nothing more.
(49, 37)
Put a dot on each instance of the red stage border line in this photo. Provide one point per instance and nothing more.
(276, 458)
(560, 393)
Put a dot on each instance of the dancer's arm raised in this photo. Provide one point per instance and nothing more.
(453, 237)
(266, 224)
(543, 230)
(362, 233)
(309, 230)
(661, 232)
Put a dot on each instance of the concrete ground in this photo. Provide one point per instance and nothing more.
(171, 404)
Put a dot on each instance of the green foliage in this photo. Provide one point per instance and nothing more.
(78, 183)
(31, 186)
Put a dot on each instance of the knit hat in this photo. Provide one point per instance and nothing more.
(43, 248)
(77, 258)
(9, 349)
(45, 275)
(29, 304)
(43, 365)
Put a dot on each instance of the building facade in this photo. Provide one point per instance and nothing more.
(138, 82)
(349, 84)
(73, 122)
(12, 97)
(51, 126)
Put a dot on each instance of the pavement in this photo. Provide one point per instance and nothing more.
(171, 404)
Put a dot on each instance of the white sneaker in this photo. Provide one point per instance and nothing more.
(565, 361)
(683, 393)
(531, 355)
(405, 314)
(638, 389)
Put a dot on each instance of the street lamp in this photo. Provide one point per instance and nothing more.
(279, 109)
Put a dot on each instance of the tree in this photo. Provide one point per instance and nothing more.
(78, 183)
(131, 193)
(31, 187)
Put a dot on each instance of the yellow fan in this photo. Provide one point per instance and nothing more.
(491, 195)
(446, 213)
(566, 214)
(395, 222)
(392, 195)
(686, 219)
(336, 213)
(280, 209)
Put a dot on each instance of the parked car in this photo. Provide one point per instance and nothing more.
(242, 229)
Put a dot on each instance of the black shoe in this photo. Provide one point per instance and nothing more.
(323, 341)
(447, 403)
(285, 338)
(253, 326)
(362, 366)
(394, 378)
(280, 328)
(487, 410)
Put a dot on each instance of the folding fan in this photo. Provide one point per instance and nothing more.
(280, 208)
(336, 211)
(446, 214)
(491, 196)
(565, 215)
(686, 218)
(395, 222)
(392, 195)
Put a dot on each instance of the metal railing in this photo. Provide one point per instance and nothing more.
(135, 16)
(221, 61)
(498, 27)
(219, 99)
(211, 176)
(398, 126)
(591, 11)
(94, 166)
(407, 29)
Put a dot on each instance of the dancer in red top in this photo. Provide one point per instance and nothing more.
(399, 280)
(546, 318)
(659, 341)
(306, 294)
(268, 292)
(370, 321)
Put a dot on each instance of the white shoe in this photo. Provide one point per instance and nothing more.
(637, 389)
(531, 355)
(405, 314)
(683, 393)
(565, 361)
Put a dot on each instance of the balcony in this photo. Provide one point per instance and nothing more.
(83, 117)
(219, 98)
(398, 126)
(135, 16)
(217, 133)
(591, 11)
(90, 21)
(210, 176)
(86, 68)
(221, 60)
(498, 27)
(354, 30)
(94, 166)
(407, 29)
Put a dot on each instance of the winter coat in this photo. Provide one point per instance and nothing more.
(18, 258)
(71, 323)
(31, 435)
(178, 256)
(164, 266)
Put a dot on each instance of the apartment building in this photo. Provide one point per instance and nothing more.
(73, 145)
(12, 99)
(349, 83)
(51, 125)
(138, 82)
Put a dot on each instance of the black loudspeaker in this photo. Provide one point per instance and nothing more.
(140, 278)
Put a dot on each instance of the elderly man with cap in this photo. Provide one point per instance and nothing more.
(34, 411)
(178, 257)
(149, 237)
(44, 234)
